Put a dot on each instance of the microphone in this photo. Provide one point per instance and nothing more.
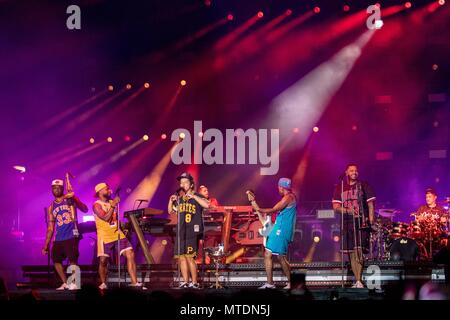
(140, 202)
(117, 193)
(175, 202)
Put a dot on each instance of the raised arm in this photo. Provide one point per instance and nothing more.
(170, 206)
(102, 214)
(201, 201)
(283, 203)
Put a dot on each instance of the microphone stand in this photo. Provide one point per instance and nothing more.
(118, 238)
(342, 232)
(178, 242)
(48, 254)
(361, 220)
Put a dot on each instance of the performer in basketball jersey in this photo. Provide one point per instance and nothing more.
(282, 233)
(190, 222)
(60, 219)
(358, 210)
(105, 213)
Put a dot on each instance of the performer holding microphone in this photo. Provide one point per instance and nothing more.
(109, 235)
(189, 208)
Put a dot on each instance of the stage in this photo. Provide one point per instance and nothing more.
(319, 275)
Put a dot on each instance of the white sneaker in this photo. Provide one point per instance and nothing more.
(103, 286)
(64, 286)
(72, 286)
(194, 286)
(183, 285)
(267, 286)
(358, 285)
(138, 285)
(287, 287)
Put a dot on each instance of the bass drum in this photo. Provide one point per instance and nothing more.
(407, 250)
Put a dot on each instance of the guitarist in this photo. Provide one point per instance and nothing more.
(282, 232)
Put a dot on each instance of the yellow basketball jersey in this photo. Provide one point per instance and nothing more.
(107, 231)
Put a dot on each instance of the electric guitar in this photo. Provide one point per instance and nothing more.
(264, 219)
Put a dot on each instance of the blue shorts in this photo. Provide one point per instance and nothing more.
(277, 243)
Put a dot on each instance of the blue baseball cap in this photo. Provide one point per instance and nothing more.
(285, 183)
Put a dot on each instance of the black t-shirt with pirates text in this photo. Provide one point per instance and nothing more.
(190, 214)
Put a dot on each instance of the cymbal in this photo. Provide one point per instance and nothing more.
(388, 213)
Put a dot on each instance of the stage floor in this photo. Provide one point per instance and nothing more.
(200, 294)
(318, 275)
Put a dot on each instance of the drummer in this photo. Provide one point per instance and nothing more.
(431, 209)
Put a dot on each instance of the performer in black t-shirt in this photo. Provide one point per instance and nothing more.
(358, 207)
(189, 209)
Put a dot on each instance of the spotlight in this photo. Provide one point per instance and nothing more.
(146, 85)
(164, 242)
(110, 88)
(164, 136)
(183, 82)
(92, 140)
(435, 67)
(288, 12)
(408, 5)
(145, 137)
(109, 139)
(346, 8)
(200, 134)
(128, 86)
(260, 14)
(207, 3)
(182, 135)
(230, 17)
(316, 233)
(441, 2)
(335, 232)
(379, 24)
(316, 9)
(316, 129)
(127, 138)
(21, 169)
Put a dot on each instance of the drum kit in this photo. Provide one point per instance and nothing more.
(430, 231)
